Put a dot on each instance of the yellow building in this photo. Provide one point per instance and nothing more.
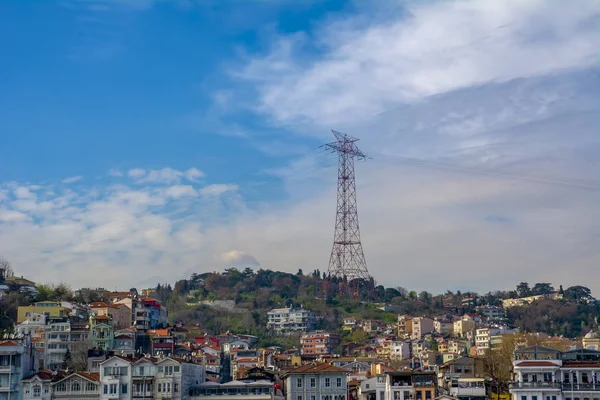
(405, 325)
(51, 309)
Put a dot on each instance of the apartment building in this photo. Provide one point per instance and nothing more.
(116, 378)
(421, 326)
(443, 326)
(464, 327)
(290, 320)
(318, 343)
(17, 361)
(405, 326)
(175, 378)
(400, 350)
(242, 390)
(61, 334)
(410, 385)
(101, 332)
(490, 338)
(119, 314)
(51, 309)
(316, 382)
(491, 312)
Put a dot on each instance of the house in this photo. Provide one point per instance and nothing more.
(316, 382)
(33, 325)
(38, 385)
(124, 342)
(151, 314)
(175, 378)
(491, 312)
(119, 314)
(318, 343)
(373, 388)
(17, 361)
(51, 309)
(464, 327)
(236, 344)
(290, 320)
(444, 326)
(350, 323)
(404, 325)
(411, 385)
(101, 332)
(469, 389)
(116, 378)
(399, 350)
(76, 386)
(162, 342)
(143, 378)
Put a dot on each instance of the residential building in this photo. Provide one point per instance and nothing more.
(51, 309)
(143, 378)
(124, 342)
(162, 342)
(469, 389)
(77, 386)
(17, 361)
(491, 312)
(507, 303)
(591, 341)
(444, 326)
(490, 338)
(405, 325)
(101, 332)
(38, 385)
(33, 325)
(457, 346)
(175, 378)
(318, 343)
(62, 335)
(236, 344)
(116, 378)
(372, 325)
(464, 327)
(290, 320)
(372, 387)
(421, 326)
(153, 314)
(400, 350)
(350, 323)
(316, 382)
(119, 314)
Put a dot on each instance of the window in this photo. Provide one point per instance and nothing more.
(75, 387)
(37, 391)
(168, 389)
(327, 382)
(313, 397)
(61, 387)
(299, 397)
(113, 388)
(533, 397)
(547, 377)
(105, 389)
(176, 368)
(339, 382)
(90, 387)
(159, 388)
(313, 382)
(175, 387)
(382, 395)
(124, 389)
(299, 382)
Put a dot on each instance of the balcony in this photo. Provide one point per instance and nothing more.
(7, 369)
(535, 385)
(5, 387)
(580, 387)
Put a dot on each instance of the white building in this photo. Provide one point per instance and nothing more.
(316, 382)
(33, 325)
(421, 326)
(290, 320)
(175, 378)
(37, 386)
(76, 386)
(17, 361)
(399, 350)
(116, 378)
(61, 335)
(236, 390)
(373, 388)
(469, 389)
(491, 312)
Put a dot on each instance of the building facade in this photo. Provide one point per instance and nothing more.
(316, 382)
(18, 359)
(318, 343)
(291, 320)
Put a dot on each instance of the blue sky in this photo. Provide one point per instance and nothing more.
(140, 136)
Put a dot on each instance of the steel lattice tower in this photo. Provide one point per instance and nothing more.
(347, 258)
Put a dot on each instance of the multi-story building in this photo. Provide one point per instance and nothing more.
(405, 325)
(443, 326)
(33, 325)
(119, 314)
(350, 323)
(143, 378)
(62, 335)
(464, 327)
(162, 342)
(399, 350)
(591, 341)
(76, 386)
(290, 320)
(244, 390)
(38, 385)
(547, 374)
(51, 309)
(17, 361)
(154, 314)
(124, 342)
(116, 378)
(490, 338)
(316, 382)
(175, 378)
(468, 389)
(421, 326)
(491, 312)
(319, 343)
(101, 332)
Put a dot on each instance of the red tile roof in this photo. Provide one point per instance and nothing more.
(536, 364)
(8, 343)
(319, 368)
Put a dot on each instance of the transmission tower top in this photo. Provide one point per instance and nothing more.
(347, 259)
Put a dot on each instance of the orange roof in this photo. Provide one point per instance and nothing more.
(536, 364)
(8, 343)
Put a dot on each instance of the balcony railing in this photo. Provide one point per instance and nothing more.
(7, 369)
(529, 385)
(581, 387)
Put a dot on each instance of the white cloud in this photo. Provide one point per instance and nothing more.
(178, 191)
(115, 173)
(164, 175)
(439, 47)
(238, 258)
(217, 189)
(23, 192)
(136, 173)
(193, 174)
(72, 179)
(12, 216)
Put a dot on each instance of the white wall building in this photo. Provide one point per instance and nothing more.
(17, 360)
(289, 320)
(116, 379)
(400, 350)
(316, 382)
(76, 386)
(61, 335)
(174, 378)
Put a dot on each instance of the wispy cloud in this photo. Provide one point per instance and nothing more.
(72, 179)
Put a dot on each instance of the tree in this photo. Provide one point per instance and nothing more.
(425, 297)
(68, 360)
(79, 356)
(6, 269)
(412, 295)
(542, 289)
(299, 273)
(523, 289)
(578, 293)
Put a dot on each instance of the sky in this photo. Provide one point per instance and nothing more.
(143, 140)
